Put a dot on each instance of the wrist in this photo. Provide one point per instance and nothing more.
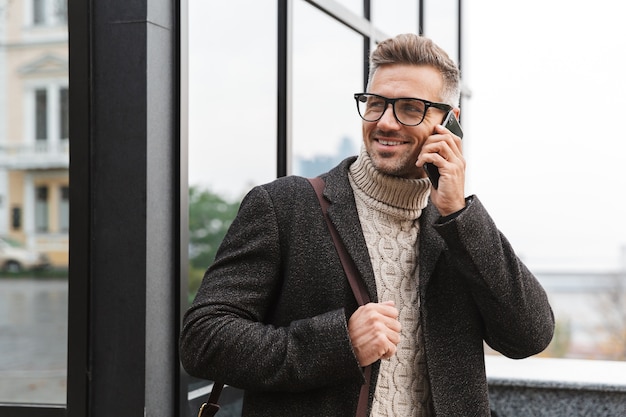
(452, 214)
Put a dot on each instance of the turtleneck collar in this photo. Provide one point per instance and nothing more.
(401, 193)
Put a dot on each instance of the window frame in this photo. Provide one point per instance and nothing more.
(46, 114)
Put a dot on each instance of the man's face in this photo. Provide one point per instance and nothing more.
(392, 146)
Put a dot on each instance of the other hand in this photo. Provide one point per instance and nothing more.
(374, 330)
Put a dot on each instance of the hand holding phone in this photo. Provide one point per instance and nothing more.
(451, 123)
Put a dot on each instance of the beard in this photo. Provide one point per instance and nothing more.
(394, 162)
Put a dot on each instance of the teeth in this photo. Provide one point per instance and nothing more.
(389, 143)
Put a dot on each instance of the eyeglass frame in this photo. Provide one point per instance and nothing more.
(428, 104)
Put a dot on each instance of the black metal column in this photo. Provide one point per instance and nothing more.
(124, 236)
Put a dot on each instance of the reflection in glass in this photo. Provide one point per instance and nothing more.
(232, 95)
(34, 215)
(327, 71)
(33, 334)
(232, 116)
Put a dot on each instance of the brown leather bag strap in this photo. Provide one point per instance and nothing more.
(211, 407)
(356, 283)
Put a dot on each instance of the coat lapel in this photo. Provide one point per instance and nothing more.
(343, 214)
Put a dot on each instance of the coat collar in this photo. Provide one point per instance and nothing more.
(343, 214)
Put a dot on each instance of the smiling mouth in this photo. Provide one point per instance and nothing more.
(389, 142)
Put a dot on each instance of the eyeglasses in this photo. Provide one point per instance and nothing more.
(407, 111)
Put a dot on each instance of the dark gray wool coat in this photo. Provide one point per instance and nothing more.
(271, 314)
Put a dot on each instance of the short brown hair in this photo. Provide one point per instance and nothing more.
(412, 49)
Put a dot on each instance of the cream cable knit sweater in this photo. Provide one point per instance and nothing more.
(389, 209)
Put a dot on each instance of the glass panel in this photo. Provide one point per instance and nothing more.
(395, 16)
(441, 24)
(232, 126)
(232, 95)
(328, 70)
(33, 239)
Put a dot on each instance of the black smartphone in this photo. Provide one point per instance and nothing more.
(451, 123)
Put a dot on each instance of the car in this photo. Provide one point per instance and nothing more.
(14, 257)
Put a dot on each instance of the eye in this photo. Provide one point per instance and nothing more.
(414, 107)
(375, 103)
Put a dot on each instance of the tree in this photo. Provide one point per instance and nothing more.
(210, 216)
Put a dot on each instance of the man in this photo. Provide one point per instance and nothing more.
(275, 314)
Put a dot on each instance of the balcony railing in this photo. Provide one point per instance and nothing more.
(38, 155)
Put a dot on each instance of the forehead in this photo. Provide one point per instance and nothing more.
(422, 81)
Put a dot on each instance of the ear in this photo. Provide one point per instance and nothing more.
(457, 113)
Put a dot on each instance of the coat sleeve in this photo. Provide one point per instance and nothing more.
(227, 333)
(518, 319)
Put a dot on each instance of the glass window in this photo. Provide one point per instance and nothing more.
(232, 122)
(49, 12)
(396, 16)
(64, 209)
(41, 114)
(51, 115)
(33, 297)
(39, 12)
(41, 209)
(232, 95)
(327, 71)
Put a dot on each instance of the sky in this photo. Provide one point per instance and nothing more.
(544, 139)
(544, 147)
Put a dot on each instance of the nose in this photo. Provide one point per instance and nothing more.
(388, 119)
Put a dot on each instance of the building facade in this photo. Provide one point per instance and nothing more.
(34, 126)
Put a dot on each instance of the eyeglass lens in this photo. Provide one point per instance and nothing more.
(408, 111)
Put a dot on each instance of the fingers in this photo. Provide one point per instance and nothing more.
(444, 150)
(440, 147)
(374, 330)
